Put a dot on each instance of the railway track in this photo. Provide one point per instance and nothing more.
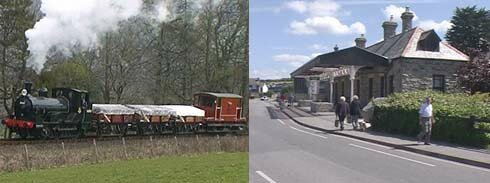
(6, 142)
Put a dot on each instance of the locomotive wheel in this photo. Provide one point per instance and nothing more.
(23, 133)
(46, 133)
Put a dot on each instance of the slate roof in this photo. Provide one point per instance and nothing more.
(394, 46)
(403, 44)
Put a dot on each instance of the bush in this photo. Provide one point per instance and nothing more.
(398, 114)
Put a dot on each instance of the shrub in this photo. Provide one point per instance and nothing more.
(398, 114)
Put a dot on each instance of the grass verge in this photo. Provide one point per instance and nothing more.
(214, 167)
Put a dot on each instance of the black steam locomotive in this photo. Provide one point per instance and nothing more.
(62, 114)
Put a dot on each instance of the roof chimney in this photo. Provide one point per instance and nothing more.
(389, 28)
(336, 48)
(361, 41)
(407, 19)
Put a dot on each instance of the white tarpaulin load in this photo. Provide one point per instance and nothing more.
(111, 109)
(153, 110)
(186, 110)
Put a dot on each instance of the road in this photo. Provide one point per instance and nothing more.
(282, 151)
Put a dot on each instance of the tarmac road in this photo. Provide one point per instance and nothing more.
(281, 151)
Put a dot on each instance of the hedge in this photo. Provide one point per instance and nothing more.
(398, 114)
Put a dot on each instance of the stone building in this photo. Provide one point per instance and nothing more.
(414, 59)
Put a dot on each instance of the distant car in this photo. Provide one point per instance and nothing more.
(264, 98)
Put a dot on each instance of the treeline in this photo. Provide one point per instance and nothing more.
(201, 47)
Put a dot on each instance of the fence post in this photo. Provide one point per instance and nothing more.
(27, 157)
(219, 143)
(96, 153)
(124, 147)
(198, 144)
(176, 145)
(151, 146)
(64, 152)
(235, 144)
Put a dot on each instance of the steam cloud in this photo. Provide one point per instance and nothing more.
(68, 23)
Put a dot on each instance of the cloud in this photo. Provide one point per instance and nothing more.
(396, 11)
(441, 27)
(293, 59)
(314, 8)
(325, 24)
(319, 47)
(270, 74)
(366, 2)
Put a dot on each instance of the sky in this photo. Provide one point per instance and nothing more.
(285, 34)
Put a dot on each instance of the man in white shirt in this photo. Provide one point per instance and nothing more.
(426, 120)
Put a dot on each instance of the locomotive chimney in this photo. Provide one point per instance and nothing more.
(28, 86)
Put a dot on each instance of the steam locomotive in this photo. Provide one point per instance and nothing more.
(68, 113)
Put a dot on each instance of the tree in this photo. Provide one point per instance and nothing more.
(471, 35)
(15, 18)
(475, 75)
(70, 74)
(471, 29)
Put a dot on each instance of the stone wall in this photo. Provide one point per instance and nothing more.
(408, 74)
(416, 74)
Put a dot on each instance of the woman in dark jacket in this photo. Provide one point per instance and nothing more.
(342, 109)
(355, 111)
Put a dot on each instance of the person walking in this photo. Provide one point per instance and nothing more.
(426, 120)
(355, 111)
(342, 109)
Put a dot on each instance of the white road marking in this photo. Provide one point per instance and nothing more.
(357, 140)
(307, 132)
(263, 175)
(408, 159)
(443, 160)
(282, 122)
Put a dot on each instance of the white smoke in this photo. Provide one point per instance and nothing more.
(78, 22)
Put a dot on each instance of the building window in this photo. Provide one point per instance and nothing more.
(392, 84)
(382, 86)
(358, 87)
(438, 83)
(299, 85)
(370, 94)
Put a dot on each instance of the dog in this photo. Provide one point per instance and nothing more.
(363, 125)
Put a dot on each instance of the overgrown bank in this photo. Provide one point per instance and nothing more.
(398, 114)
(48, 155)
(213, 167)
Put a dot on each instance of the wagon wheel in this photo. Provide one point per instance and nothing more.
(122, 129)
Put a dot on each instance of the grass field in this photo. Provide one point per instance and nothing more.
(215, 167)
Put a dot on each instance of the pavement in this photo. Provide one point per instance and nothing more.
(281, 150)
(325, 122)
